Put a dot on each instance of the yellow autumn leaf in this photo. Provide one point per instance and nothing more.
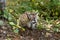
(10, 10)
(33, 0)
(14, 27)
(56, 13)
(36, 4)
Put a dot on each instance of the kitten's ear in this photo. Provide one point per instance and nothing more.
(37, 13)
(28, 14)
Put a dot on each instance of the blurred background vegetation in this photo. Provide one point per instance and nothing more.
(49, 11)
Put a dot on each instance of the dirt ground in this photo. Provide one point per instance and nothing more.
(39, 35)
(33, 35)
(7, 34)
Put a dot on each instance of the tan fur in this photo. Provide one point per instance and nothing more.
(25, 21)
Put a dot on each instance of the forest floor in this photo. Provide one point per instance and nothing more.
(7, 34)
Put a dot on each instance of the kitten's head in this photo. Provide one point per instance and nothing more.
(33, 17)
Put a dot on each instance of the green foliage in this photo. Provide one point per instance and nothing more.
(15, 30)
(48, 10)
